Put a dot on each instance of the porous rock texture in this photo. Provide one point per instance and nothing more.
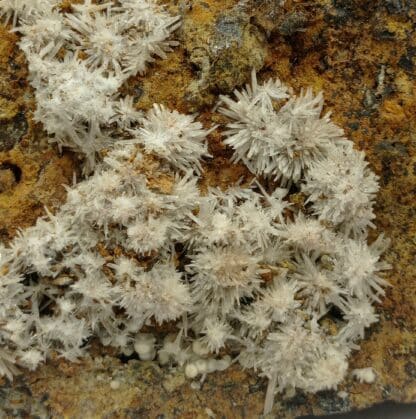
(362, 54)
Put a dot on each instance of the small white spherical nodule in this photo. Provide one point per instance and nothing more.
(364, 375)
(148, 356)
(114, 384)
(163, 357)
(145, 346)
(191, 371)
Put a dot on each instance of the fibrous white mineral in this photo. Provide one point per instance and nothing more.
(247, 269)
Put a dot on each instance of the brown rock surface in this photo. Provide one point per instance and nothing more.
(362, 53)
(31, 171)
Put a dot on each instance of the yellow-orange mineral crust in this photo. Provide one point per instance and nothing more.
(32, 173)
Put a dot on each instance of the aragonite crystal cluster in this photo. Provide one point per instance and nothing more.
(244, 274)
